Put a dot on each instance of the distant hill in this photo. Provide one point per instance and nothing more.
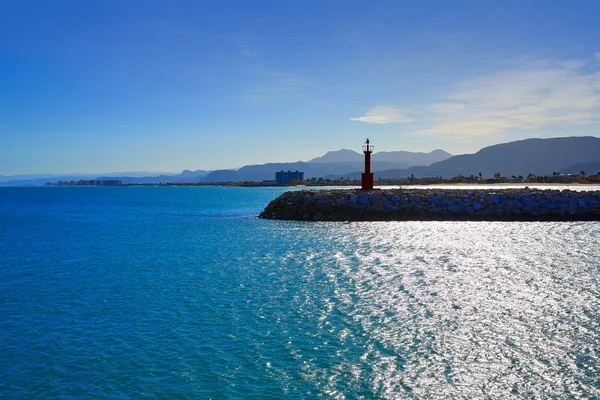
(37, 180)
(412, 159)
(334, 163)
(135, 178)
(40, 179)
(343, 155)
(397, 157)
(522, 157)
(220, 175)
(186, 176)
(75, 176)
(24, 177)
(263, 172)
(590, 168)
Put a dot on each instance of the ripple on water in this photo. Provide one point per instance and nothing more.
(454, 310)
(178, 304)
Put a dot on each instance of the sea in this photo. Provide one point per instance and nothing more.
(182, 293)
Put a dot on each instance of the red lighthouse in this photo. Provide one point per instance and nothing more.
(367, 176)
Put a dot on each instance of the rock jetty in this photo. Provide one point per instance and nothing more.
(435, 204)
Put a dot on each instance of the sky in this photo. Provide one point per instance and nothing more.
(103, 86)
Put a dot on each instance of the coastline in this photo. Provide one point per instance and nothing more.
(436, 204)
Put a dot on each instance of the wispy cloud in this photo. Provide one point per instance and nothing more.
(384, 115)
(538, 93)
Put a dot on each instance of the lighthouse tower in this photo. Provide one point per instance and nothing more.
(367, 176)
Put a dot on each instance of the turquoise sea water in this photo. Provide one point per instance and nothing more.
(157, 292)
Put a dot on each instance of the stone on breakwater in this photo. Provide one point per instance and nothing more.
(435, 204)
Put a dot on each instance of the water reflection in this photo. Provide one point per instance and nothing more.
(459, 310)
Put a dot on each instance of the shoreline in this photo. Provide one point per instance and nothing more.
(436, 204)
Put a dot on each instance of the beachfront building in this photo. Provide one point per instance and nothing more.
(285, 178)
(84, 182)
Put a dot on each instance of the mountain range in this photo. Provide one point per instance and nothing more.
(125, 177)
(568, 155)
(338, 163)
(522, 157)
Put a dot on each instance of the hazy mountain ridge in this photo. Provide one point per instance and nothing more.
(413, 159)
(137, 178)
(522, 157)
(342, 155)
(185, 176)
(263, 172)
(73, 176)
(336, 163)
(398, 157)
(589, 168)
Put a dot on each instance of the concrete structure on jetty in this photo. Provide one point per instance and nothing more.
(435, 204)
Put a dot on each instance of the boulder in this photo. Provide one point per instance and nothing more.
(416, 204)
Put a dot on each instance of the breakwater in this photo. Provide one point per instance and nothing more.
(436, 204)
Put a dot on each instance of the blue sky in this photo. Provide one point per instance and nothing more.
(103, 86)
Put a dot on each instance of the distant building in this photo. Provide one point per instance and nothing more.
(285, 178)
(103, 182)
(83, 182)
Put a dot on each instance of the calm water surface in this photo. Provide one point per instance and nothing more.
(143, 292)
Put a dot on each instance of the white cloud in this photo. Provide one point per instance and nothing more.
(384, 115)
(538, 94)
